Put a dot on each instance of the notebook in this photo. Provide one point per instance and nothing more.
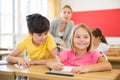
(66, 71)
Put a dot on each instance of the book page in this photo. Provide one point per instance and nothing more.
(66, 69)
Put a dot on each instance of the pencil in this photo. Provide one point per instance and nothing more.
(56, 56)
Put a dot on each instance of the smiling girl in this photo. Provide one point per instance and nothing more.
(81, 56)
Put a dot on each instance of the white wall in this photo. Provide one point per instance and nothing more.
(87, 5)
(113, 40)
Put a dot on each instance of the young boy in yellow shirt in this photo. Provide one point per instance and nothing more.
(39, 44)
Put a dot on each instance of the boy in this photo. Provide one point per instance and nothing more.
(39, 44)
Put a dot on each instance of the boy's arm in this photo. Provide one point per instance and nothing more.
(56, 62)
(44, 61)
(13, 57)
(40, 61)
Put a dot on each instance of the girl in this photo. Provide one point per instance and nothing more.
(81, 56)
(99, 41)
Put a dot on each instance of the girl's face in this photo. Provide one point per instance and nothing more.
(39, 38)
(66, 14)
(95, 40)
(81, 39)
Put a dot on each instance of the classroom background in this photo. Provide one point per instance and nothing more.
(104, 14)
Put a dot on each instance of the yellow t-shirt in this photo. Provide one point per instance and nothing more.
(42, 51)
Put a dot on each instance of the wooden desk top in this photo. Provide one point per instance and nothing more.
(6, 73)
(114, 58)
(38, 72)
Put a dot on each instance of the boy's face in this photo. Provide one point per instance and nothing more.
(39, 38)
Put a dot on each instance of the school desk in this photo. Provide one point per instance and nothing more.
(115, 61)
(4, 53)
(6, 73)
(37, 72)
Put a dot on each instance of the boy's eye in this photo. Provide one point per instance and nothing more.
(46, 33)
(42, 34)
(39, 34)
(64, 12)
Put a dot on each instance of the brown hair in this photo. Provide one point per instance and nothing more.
(67, 6)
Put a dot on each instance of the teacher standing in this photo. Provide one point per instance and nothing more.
(61, 27)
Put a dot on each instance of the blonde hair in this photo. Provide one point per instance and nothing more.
(85, 27)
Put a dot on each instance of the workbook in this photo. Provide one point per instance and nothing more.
(66, 71)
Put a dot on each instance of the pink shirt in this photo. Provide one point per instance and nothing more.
(69, 59)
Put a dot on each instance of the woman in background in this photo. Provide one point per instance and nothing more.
(61, 27)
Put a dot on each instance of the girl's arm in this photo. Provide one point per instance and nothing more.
(44, 61)
(101, 65)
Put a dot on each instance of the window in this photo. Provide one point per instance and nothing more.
(13, 19)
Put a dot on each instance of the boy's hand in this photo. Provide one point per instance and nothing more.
(22, 62)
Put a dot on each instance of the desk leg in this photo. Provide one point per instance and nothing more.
(0, 57)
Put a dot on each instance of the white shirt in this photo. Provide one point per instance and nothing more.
(103, 47)
(60, 34)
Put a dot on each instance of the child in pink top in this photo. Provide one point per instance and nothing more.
(81, 56)
(69, 59)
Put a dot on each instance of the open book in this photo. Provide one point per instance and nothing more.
(66, 71)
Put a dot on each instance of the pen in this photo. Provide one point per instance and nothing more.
(61, 47)
(56, 56)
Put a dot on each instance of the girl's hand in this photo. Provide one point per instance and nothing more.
(79, 69)
(22, 62)
(55, 65)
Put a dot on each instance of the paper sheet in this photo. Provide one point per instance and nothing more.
(65, 69)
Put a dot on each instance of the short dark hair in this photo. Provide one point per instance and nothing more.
(37, 23)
